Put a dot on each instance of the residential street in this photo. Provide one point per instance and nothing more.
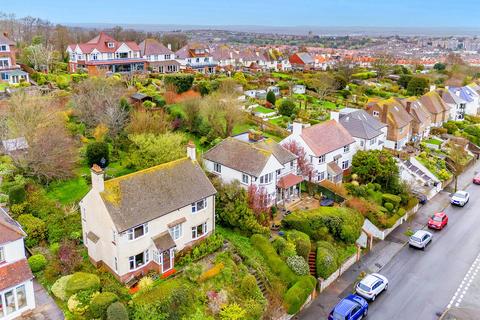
(421, 283)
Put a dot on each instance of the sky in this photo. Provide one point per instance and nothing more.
(366, 13)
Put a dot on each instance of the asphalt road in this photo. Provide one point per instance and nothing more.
(422, 283)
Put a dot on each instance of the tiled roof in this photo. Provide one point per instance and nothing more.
(306, 57)
(100, 42)
(326, 137)
(289, 180)
(362, 125)
(153, 47)
(434, 102)
(396, 112)
(15, 273)
(10, 230)
(145, 195)
(5, 40)
(283, 155)
(239, 155)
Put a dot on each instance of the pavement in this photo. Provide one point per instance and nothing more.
(46, 308)
(422, 283)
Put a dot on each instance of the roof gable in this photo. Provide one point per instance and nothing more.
(326, 137)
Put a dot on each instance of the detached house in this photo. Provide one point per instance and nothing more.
(462, 101)
(10, 71)
(159, 58)
(398, 121)
(105, 54)
(135, 223)
(16, 285)
(368, 132)
(439, 110)
(255, 160)
(328, 146)
(302, 61)
(196, 57)
(421, 119)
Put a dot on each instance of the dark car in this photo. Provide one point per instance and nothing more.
(352, 307)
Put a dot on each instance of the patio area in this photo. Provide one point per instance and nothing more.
(305, 202)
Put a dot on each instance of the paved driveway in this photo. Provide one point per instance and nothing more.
(46, 308)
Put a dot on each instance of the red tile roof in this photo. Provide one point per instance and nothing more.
(9, 229)
(289, 180)
(100, 43)
(326, 137)
(15, 273)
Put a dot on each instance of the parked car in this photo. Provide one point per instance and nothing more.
(460, 198)
(438, 221)
(371, 286)
(422, 199)
(476, 179)
(352, 307)
(420, 239)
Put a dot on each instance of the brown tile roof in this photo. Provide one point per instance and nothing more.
(15, 273)
(289, 180)
(396, 112)
(434, 103)
(148, 194)
(239, 155)
(153, 47)
(10, 230)
(163, 241)
(283, 155)
(418, 111)
(333, 167)
(326, 137)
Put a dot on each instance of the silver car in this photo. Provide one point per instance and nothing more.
(371, 286)
(420, 239)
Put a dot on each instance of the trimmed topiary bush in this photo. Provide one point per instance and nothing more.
(37, 262)
(391, 198)
(81, 281)
(389, 206)
(296, 296)
(59, 288)
(327, 260)
(100, 304)
(117, 311)
(278, 266)
(298, 265)
(302, 242)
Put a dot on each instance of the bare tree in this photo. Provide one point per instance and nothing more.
(383, 64)
(41, 57)
(222, 112)
(97, 100)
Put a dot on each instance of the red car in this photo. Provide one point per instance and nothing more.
(438, 221)
(476, 179)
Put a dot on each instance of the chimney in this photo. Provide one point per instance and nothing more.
(335, 115)
(191, 151)
(5, 33)
(433, 87)
(409, 106)
(384, 113)
(297, 128)
(97, 178)
(169, 46)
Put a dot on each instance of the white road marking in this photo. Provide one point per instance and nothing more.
(465, 284)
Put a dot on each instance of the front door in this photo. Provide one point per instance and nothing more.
(166, 260)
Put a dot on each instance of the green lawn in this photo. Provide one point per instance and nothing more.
(68, 191)
(243, 127)
(434, 141)
(263, 110)
(282, 76)
(279, 120)
(176, 108)
(3, 86)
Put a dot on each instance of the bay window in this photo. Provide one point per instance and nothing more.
(199, 231)
(138, 260)
(13, 300)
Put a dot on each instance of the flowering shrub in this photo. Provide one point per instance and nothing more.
(145, 283)
(212, 272)
(298, 265)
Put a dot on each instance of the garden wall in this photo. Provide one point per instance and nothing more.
(324, 283)
(382, 234)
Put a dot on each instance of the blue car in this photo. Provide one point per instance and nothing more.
(352, 307)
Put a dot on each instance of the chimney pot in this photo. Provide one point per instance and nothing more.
(191, 151)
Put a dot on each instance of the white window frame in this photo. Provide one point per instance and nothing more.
(195, 235)
(376, 113)
(245, 178)
(132, 259)
(4, 62)
(200, 203)
(176, 232)
(321, 176)
(217, 167)
(266, 178)
(3, 48)
(346, 148)
(131, 232)
(373, 141)
(111, 45)
(321, 159)
(2, 254)
(345, 164)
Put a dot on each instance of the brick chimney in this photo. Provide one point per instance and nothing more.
(297, 128)
(191, 151)
(409, 106)
(97, 174)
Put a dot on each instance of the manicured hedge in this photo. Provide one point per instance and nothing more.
(278, 266)
(37, 262)
(327, 259)
(296, 296)
(117, 311)
(100, 303)
(59, 288)
(391, 198)
(342, 223)
(302, 242)
(182, 82)
(82, 281)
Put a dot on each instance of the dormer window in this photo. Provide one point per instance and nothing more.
(3, 47)
(111, 45)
